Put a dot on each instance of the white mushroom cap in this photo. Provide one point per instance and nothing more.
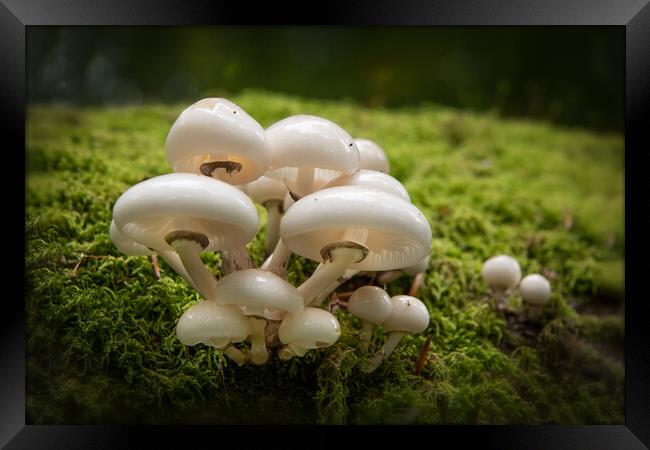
(370, 303)
(259, 292)
(396, 233)
(535, 289)
(211, 324)
(374, 180)
(416, 268)
(215, 129)
(311, 142)
(314, 328)
(408, 315)
(265, 189)
(372, 156)
(501, 272)
(127, 245)
(180, 201)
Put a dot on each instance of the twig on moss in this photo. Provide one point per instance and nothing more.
(417, 283)
(423, 356)
(156, 269)
(84, 257)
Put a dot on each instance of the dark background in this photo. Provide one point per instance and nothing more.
(567, 75)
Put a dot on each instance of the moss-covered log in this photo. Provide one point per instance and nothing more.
(101, 346)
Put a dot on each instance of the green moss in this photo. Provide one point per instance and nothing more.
(101, 346)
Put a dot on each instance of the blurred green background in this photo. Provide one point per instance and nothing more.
(567, 75)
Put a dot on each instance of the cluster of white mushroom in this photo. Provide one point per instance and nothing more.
(502, 274)
(328, 198)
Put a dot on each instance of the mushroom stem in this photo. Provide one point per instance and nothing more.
(236, 259)
(383, 354)
(175, 263)
(190, 255)
(340, 259)
(259, 353)
(305, 180)
(365, 335)
(236, 355)
(273, 224)
(534, 312)
(279, 259)
(499, 294)
(332, 287)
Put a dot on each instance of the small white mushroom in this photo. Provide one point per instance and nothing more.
(261, 295)
(129, 247)
(373, 306)
(536, 292)
(372, 156)
(269, 192)
(501, 273)
(353, 228)
(408, 315)
(313, 328)
(303, 145)
(219, 326)
(374, 180)
(187, 214)
(217, 138)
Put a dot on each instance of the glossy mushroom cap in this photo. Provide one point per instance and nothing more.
(501, 272)
(372, 156)
(127, 245)
(370, 303)
(215, 129)
(396, 233)
(416, 268)
(266, 189)
(180, 201)
(314, 328)
(310, 142)
(408, 315)
(374, 180)
(535, 289)
(211, 324)
(258, 292)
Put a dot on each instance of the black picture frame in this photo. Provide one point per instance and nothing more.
(634, 15)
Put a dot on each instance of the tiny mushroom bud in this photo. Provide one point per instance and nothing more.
(408, 315)
(308, 151)
(216, 138)
(372, 305)
(187, 214)
(313, 328)
(269, 192)
(372, 156)
(535, 291)
(261, 294)
(219, 326)
(353, 228)
(501, 273)
(129, 247)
